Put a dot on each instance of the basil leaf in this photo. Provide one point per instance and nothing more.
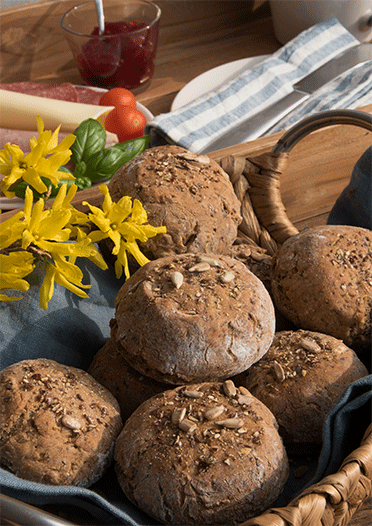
(83, 183)
(103, 166)
(80, 169)
(90, 140)
(20, 189)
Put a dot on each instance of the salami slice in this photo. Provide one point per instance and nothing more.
(88, 95)
(65, 91)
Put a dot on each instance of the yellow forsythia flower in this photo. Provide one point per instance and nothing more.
(44, 160)
(124, 223)
(14, 267)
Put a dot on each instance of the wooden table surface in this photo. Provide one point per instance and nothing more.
(195, 36)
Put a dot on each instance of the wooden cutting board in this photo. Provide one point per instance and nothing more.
(319, 168)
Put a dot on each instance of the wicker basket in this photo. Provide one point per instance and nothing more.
(265, 225)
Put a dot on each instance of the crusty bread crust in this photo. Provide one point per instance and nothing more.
(58, 425)
(129, 387)
(300, 379)
(189, 194)
(322, 281)
(213, 323)
(201, 454)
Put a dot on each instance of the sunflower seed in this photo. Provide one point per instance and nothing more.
(278, 371)
(245, 400)
(178, 415)
(70, 422)
(176, 279)
(227, 277)
(214, 412)
(229, 388)
(244, 390)
(231, 423)
(200, 267)
(214, 262)
(192, 394)
(187, 426)
(310, 345)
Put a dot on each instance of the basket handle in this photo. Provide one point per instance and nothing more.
(256, 180)
(318, 121)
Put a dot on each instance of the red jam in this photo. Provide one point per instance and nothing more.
(125, 60)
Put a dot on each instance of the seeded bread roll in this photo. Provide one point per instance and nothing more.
(58, 425)
(191, 318)
(189, 194)
(129, 387)
(201, 454)
(300, 379)
(322, 281)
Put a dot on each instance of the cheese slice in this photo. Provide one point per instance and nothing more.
(18, 112)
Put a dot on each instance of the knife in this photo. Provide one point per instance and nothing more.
(263, 121)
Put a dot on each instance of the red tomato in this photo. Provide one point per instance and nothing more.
(127, 123)
(118, 96)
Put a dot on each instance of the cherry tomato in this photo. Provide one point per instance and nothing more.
(118, 96)
(127, 123)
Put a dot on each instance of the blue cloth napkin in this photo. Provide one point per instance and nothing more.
(199, 123)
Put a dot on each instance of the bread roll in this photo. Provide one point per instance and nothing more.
(189, 194)
(129, 387)
(300, 379)
(58, 425)
(204, 454)
(191, 318)
(322, 281)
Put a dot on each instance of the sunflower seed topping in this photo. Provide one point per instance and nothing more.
(227, 277)
(245, 400)
(214, 412)
(178, 415)
(278, 371)
(213, 262)
(231, 423)
(70, 422)
(203, 266)
(192, 394)
(187, 425)
(176, 279)
(310, 345)
(229, 388)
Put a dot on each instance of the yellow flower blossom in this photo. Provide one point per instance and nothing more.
(11, 230)
(14, 267)
(124, 223)
(66, 274)
(44, 160)
(46, 235)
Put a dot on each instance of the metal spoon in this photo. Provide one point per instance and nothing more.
(100, 16)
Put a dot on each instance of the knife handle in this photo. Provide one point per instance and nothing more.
(255, 126)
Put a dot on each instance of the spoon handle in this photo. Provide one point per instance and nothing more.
(100, 16)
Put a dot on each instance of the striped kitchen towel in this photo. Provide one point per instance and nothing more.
(200, 122)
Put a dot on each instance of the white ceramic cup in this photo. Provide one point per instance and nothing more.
(290, 17)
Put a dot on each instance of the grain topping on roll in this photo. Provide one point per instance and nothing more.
(190, 318)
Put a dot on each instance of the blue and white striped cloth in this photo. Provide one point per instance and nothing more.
(199, 123)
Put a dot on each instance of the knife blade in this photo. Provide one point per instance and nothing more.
(255, 126)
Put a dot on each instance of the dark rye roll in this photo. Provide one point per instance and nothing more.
(189, 194)
(300, 379)
(58, 425)
(322, 281)
(191, 318)
(130, 388)
(201, 454)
